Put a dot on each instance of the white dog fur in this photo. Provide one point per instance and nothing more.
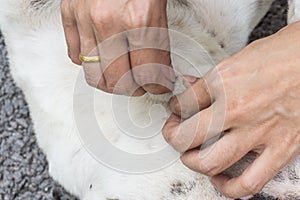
(41, 68)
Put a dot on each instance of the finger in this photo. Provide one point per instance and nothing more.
(253, 179)
(219, 156)
(88, 47)
(193, 100)
(71, 32)
(116, 67)
(150, 46)
(113, 50)
(192, 132)
(152, 72)
(119, 78)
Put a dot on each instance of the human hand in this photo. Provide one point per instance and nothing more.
(256, 93)
(132, 62)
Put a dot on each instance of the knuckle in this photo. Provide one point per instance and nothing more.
(66, 14)
(69, 22)
(81, 16)
(235, 110)
(100, 18)
(250, 187)
(68, 19)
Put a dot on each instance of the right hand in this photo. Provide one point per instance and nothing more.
(131, 63)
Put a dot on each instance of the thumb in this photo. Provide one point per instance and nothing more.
(194, 99)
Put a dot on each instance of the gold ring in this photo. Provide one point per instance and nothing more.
(89, 59)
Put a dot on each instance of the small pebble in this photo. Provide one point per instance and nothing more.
(22, 122)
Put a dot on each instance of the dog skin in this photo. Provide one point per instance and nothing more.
(41, 68)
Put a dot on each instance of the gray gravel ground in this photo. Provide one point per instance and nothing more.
(23, 167)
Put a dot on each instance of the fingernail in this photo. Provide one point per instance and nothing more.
(191, 79)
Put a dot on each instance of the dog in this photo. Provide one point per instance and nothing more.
(202, 33)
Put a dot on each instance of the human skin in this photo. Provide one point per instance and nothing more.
(91, 23)
(257, 93)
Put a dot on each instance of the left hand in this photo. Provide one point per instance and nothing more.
(130, 36)
(258, 91)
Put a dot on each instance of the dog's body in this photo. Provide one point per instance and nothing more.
(40, 66)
